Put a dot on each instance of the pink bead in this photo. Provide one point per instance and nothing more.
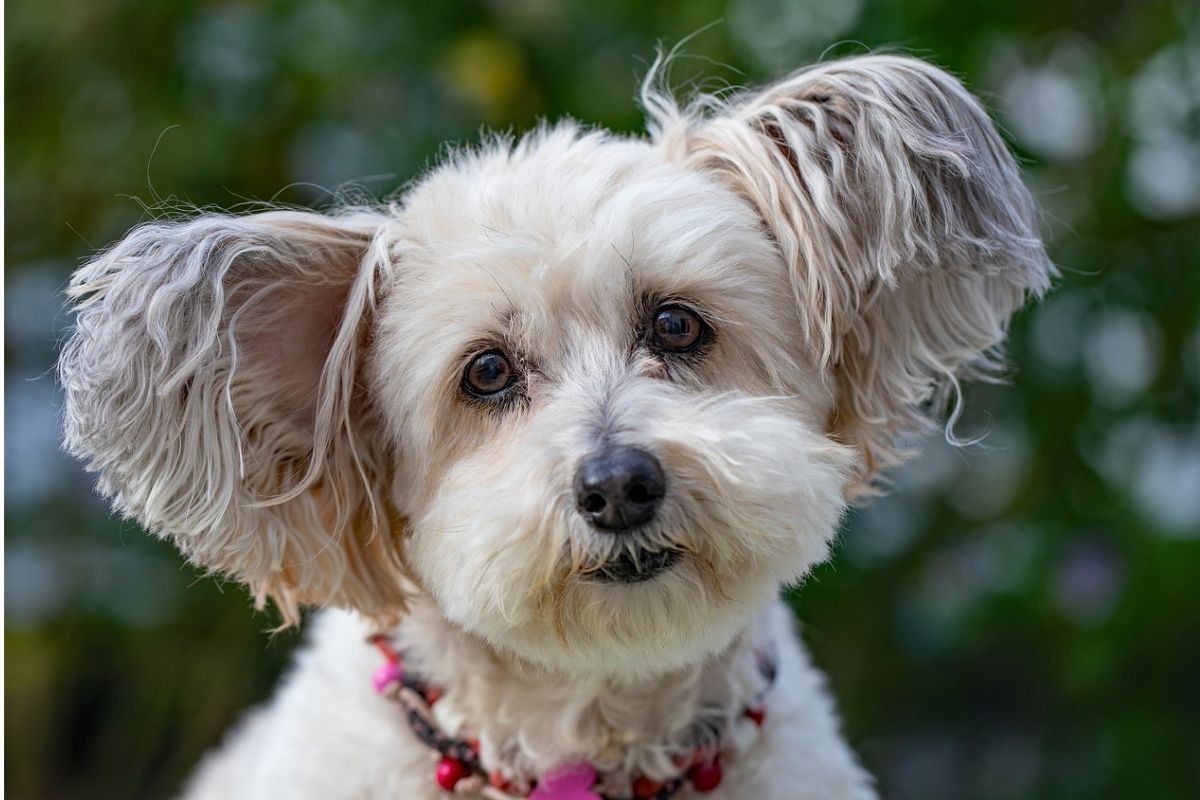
(386, 675)
(570, 782)
(450, 771)
(706, 776)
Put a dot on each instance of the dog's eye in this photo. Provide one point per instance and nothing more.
(678, 329)
(488, 373)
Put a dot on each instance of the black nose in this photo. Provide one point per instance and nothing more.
(619, 488)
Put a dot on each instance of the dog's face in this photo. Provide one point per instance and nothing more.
(599, 397)
(616, 443)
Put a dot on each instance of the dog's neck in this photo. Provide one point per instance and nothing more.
(529, 719)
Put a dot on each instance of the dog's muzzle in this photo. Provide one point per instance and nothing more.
(619, 490)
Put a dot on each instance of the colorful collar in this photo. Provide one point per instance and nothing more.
(460, 771)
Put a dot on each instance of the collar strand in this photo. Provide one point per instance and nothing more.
(461, 771)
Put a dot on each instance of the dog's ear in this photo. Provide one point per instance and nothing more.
(901, 216)
(213, 382)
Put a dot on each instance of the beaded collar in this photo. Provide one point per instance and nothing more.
(460, 771)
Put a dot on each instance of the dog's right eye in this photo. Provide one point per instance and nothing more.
(676, 329)
(488, 374)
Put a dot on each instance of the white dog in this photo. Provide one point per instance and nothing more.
(551, 431)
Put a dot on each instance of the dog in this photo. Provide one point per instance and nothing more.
(545, 435)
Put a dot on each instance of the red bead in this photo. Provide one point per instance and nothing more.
(707, 776)
(450, 771)
(756, 715)
(496, 778)
(645, 787)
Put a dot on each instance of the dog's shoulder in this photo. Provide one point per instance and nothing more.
(324, 734)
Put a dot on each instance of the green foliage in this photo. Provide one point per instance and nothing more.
(1017, 620)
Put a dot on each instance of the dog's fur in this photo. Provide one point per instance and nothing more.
(280, 394)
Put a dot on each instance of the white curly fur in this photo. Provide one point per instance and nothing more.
(280, 395)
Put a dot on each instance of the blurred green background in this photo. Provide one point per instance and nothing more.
(1019, 619)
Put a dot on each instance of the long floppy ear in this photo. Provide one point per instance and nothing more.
(901, 216)
(212, 381)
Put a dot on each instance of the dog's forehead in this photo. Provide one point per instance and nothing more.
(571, 223)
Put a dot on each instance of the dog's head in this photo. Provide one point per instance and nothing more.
(599, 397)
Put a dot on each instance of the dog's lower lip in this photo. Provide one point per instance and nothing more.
(631, 568)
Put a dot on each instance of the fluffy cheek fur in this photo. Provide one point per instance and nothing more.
(754, 499)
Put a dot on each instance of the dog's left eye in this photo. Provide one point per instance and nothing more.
(488, 374)
(678, 329)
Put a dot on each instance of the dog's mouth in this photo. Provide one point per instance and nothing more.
(635, 567)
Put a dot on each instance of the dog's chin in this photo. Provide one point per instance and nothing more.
(629, 616)
(647, 612)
